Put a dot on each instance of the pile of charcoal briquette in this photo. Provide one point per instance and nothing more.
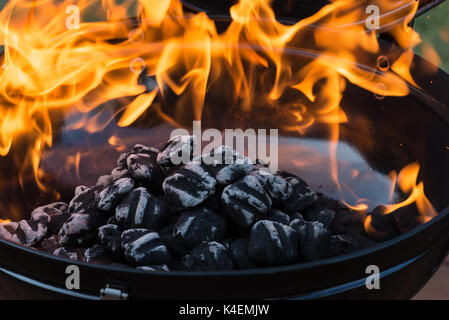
(228, 214)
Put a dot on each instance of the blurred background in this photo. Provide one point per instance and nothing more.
(434, 30)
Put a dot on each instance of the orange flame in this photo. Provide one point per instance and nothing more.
(408, 183)
(57, 61)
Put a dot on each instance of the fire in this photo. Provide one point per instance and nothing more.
(407, 181)
(58, 62)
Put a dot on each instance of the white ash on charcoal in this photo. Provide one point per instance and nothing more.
(97, 254)
(141, 209)
(80, 189)
(121, 161)
(177, 150)
(144, 247)
(157, 215)
(226, 165)
(245, 201)
(140, 148)
(57, 212)
(313, 239)
(110, 236)
(238, 253)
(380, 225)
(110, 196)
(301, 198)
(278, 188)
(143, 169)
(32, 231)
(104, 180)
(199, 225)
(50, 244)
(272, 243)
(85, 199)
(81, 229)
(154, 268)
(7, 230)
(119, 173)
(208, 256)
(189, 186)
(71, 253)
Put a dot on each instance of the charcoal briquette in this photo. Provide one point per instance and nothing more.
(112, 194)
(144, 247)
(143, 168)
(97, 254)
(110, 236)
(119, 173)
(198, 225)
(79, 189)
(272, 243)
(278, 216)
(347, 221)
(290, 177)
(50, 244)
(313, 239)
(189, 186)
(121, 161)
(80, 229)
(296, 215)
(278, 188)
(245, 201)
(341, 244)
(141, 209)
(7, 230)
(238, 253)
(177, 150)
(71, 253)
(58, 215)
(226, 165)
(208, 256)
(32, 231)
(104, 180)
(85, 200)
(301, 197)
(140, 148)
(381, 226)
(112, 220)
(175, 247)
(325, 216)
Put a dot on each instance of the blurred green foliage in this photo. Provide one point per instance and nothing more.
(431, 26)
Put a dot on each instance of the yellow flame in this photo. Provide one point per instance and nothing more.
(56, 62)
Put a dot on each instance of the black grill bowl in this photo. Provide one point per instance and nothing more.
(399, 131)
